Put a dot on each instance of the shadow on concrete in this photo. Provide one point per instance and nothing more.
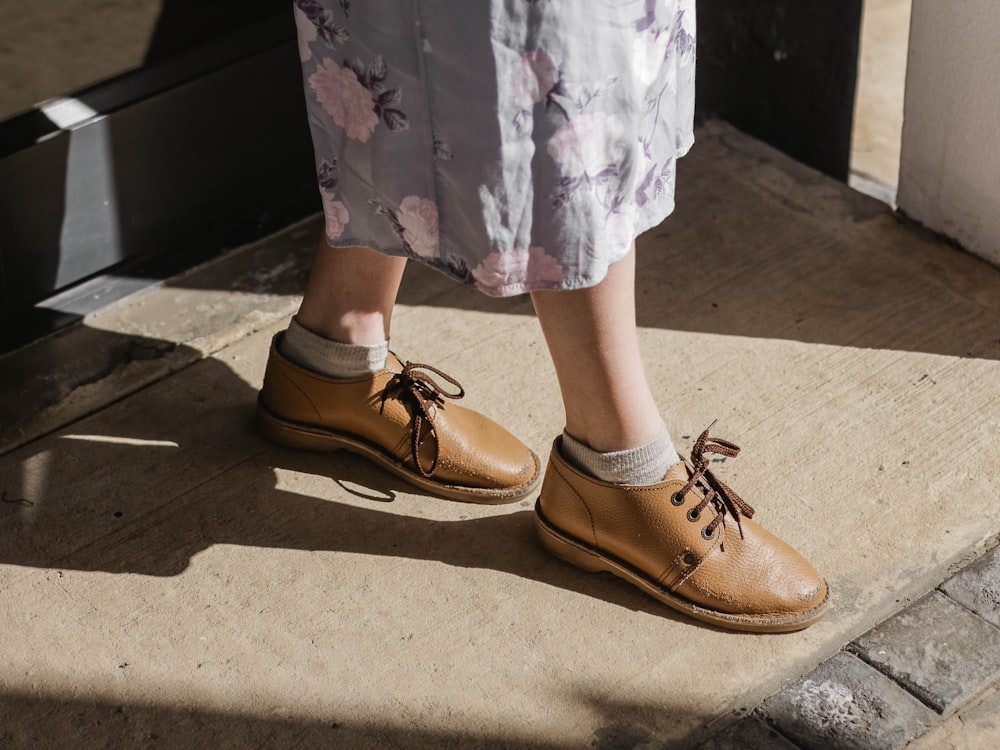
(750, 267)
(176, 469)
(180, 468)
(80, 723)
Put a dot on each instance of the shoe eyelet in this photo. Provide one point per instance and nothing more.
(693, 515)
(706, 534)
(677, 499)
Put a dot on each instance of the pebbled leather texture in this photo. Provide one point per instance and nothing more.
(644, 531)
(465, 448)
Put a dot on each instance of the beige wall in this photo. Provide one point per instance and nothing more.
(878, 105)
(950, 161)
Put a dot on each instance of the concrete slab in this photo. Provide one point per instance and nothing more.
(937, 649)
(978, 587)
(846, 705)
(192, 574)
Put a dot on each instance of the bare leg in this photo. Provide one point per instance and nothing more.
(592, 338)
(351, 293)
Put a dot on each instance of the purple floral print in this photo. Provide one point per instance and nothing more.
(533, 79)
(500, 270)
(511, 146)
(385, 99)
(419, 219)
(336, 216)
(342, 96)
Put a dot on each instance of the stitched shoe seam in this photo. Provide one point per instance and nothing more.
(301, 390)
(590, 516)
(684, 573)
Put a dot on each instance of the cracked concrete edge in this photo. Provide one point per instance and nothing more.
(137, 341)
(776, 712)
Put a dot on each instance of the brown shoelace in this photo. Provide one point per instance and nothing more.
(718, 493)
(414, 386)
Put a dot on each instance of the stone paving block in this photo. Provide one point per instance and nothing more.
(845, 704)
(974, 727)
(978, 587)
(745, 734)
(936, 649)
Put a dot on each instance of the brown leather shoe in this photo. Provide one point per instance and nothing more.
(687, 541)
(398, 418)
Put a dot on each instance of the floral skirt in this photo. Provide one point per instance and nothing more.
(511, 144)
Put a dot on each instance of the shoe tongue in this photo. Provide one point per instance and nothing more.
(678, 471)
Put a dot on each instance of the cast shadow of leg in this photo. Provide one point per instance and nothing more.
(145, 485)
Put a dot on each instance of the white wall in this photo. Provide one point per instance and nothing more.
(949, 176)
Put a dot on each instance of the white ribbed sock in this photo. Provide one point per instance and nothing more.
(331, 358)
(646, 464)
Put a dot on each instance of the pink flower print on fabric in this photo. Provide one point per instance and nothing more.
(533, 78)
(419, 219)
(499, 271)
(587, 144)
(342, 96)
(649, 50)
(336, 216)
(620, 231)
(306, 33)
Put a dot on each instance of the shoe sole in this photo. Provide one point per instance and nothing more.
(311, 438)
(582, 555)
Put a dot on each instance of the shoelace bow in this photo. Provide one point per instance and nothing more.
(718, 493)
(422, 393)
